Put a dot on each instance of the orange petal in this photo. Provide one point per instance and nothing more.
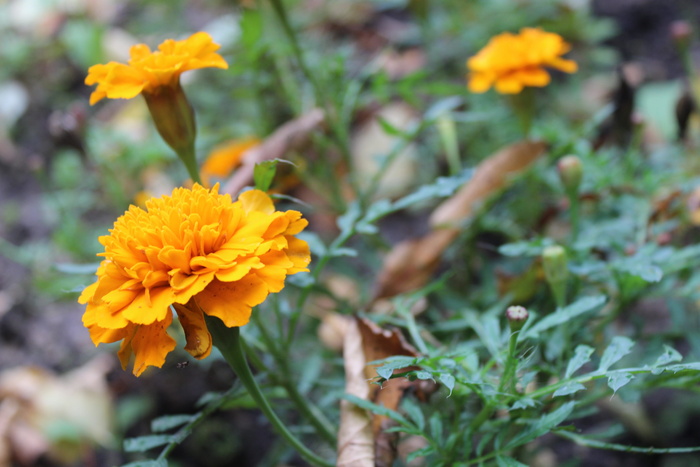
(256, 200)
(191, 318)
(150, 344)
(231, 302)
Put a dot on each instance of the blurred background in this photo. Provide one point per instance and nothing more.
(67, 170)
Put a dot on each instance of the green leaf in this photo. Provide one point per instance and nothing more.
(424, 375)
(670, 355)
(251, 28)
(264, 173)
(144, 443)
(150, 463)
(390, 129)
(618, 380)
(436, 429)
(392, 363)
(566, 314)
(524, 403)
(414, 412)
(640, 267)
(426, 451)
(443, 187)
(618, 348)
(531, 248)
(170, 421)
(378, 409)
(568, 389)
(443, 105)
(346, 222)
(502, 461)
(448, 380)
(582, 355)
(542, 426)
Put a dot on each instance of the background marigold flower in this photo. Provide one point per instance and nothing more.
(198, 251)
(512, 61)
(148, 71)
(226, 157)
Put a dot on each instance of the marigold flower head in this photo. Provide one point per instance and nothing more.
(197, 251)
(512, 61)
(149, 71)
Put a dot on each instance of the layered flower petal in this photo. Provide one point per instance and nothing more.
(511, 62)
(195, 251)
(149, 71)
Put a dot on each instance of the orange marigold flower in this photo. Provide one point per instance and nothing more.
(148, 71)
(197, 251)
(513, 61)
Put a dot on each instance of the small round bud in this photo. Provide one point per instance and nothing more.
(570, 172)
(556, 271)
(517, 315)
(554, 262)
(681, 32)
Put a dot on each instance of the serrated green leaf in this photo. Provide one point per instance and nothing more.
(144, 443)
(169, 422)
(670, 355)
(264, 173)
(618, 380)
(582, 355)
(424, 375)
(542, 426)
(568, 389)
(503, 461)
(443, 187)
(448, 380)
(392, 363)
(346, 222)
(644, 270)
(618, 348)
(524, 403)
(565, 314)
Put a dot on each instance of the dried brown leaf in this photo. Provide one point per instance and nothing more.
(289, 136)
(410, 264)
(355, 437)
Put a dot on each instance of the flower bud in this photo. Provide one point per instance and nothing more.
(174, 119)
(681, 33)
(517, 316)
(570, 173)
(556, 271)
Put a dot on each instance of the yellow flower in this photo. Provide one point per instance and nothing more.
(197, 251)
(148, 72)
(511, 62)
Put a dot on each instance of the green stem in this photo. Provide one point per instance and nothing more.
(338, 131)
(574, 209)
(188, 157)
(511, 365)
(311, 412)
(228, 340)
(523, 104)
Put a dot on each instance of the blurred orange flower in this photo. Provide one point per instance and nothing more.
(148, 71)
(512, 61)
(197, 251)
(226, 157)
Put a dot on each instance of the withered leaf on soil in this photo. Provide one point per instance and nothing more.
(289, 136)
(362, 440)
(411, 263)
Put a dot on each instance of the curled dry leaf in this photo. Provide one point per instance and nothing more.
(289, 136)
(366, 342)
(355, 438)
(411, 263)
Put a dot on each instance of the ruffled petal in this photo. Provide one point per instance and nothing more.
(231, 302)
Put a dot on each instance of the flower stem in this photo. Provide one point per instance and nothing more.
(228, 340)
(511, 365)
